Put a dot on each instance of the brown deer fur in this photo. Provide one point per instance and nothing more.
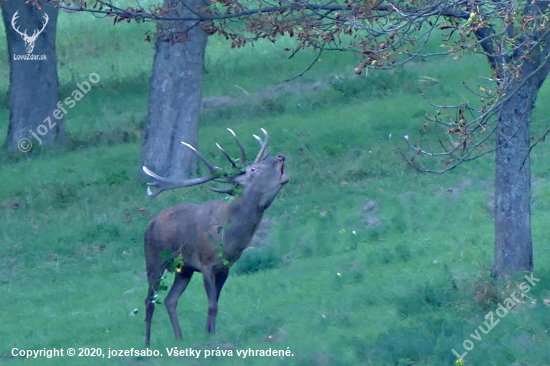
(208, 237)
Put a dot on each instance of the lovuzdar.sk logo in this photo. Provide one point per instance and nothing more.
(29, 40)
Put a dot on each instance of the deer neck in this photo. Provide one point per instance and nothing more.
(243, 219)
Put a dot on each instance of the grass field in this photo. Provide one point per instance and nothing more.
(367, 262)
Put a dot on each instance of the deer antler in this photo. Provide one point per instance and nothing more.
(213, 169)
(263, 145)
(229, 191)
(233, 164)
(243, 155)
(164, 184)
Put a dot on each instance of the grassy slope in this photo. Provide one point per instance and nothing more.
(334, 291)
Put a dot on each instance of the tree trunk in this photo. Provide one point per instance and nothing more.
(174, 98)
(513, 243)
(34, 86)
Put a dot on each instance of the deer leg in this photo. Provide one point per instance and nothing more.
(212, 293)
(220, 280)
(181, 280)
(154, 271)
(149, 309)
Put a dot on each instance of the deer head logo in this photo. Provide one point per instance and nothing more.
(29, 41)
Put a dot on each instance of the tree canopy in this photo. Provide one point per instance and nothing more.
(384, 35)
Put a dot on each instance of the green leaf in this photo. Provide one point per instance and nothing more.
(166, 255)
(220, 248)
(178, 261)
(219, 174)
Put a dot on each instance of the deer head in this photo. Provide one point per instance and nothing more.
(211, 236)
(262, 180)
(29, 41)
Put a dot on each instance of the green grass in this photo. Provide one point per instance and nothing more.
(326, 286)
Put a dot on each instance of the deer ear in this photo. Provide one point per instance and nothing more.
(241, 180)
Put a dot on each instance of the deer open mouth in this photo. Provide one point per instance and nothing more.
(284, 178)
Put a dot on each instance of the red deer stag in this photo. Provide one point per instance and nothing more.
(211, 236)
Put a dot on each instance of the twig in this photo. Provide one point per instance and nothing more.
(308, 68)
(532, 146)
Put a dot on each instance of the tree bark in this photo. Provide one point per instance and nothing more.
(513, 243)
(34, 86)
(174, 98)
